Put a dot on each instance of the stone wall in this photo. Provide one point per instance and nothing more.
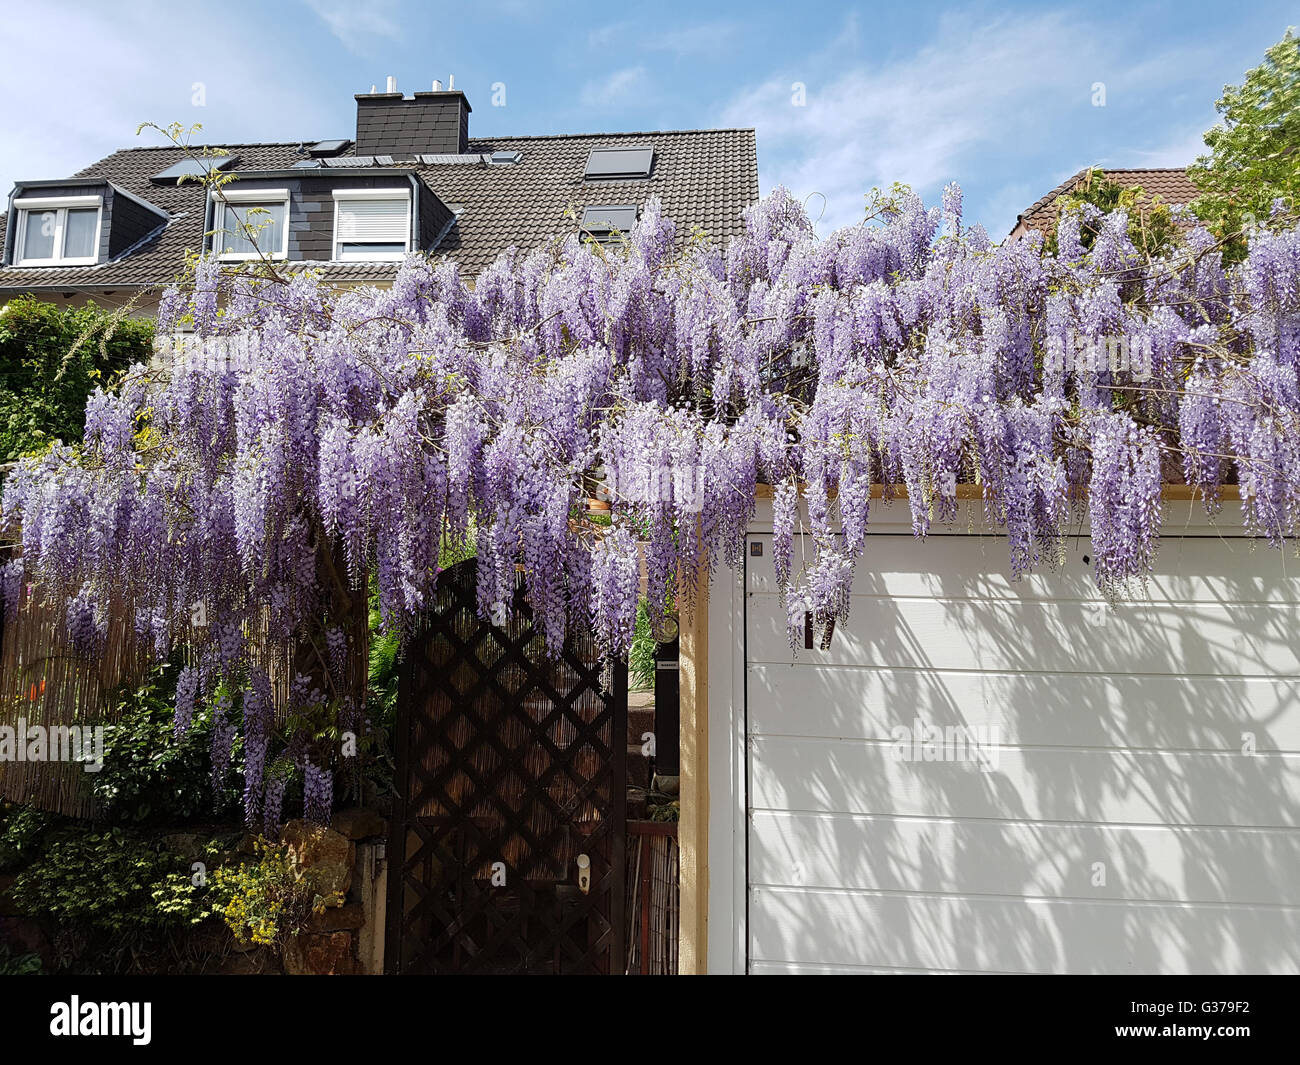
(345, 863)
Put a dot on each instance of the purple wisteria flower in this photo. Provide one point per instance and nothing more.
(250, 491)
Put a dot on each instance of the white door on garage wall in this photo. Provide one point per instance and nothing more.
(1135, 806)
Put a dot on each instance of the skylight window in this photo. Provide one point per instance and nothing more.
(606, 163)
(192, 168)
(505, 158)
(334, 147)
(252, 224)
(57, 231)
(607, 222)
(372, 225)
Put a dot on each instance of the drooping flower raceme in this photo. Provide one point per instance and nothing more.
(306, 445)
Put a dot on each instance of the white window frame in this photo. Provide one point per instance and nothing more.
(59, 205)
(342, 196)
(253, 196)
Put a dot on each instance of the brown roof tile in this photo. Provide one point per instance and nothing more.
(1171, 184)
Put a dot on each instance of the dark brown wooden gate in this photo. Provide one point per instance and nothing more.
(510, 768)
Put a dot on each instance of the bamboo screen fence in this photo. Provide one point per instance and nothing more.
(44, 682)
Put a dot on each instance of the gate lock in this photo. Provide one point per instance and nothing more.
(584, 873)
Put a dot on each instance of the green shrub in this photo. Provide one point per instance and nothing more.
(18, 964)
(22, 833)
(51, 359)
(101, 881)
(641, 656)
(150, 777)
(384, 669)
(668, 811)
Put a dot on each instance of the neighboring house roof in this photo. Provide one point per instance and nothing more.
(704, 178)
(1171, 184)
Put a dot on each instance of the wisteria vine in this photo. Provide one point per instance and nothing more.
(305, 442)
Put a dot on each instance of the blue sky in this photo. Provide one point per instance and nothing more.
(997, 97)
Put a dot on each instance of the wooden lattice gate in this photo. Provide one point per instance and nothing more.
(510, 769)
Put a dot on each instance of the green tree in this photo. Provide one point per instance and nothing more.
(1254, 154)
(51, 359)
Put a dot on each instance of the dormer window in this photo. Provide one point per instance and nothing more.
(372, 225)
(252, 224)
(58, 231)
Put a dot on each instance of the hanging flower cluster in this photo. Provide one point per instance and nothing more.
(305, 443)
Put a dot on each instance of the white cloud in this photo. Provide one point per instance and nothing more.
(975, 87)
(358, 22)
(696, 40)
(682, 41)
(1178, 151)
(121, 77)
(619, 88)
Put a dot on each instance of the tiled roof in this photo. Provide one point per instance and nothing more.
(704, 178)
(1171, 184)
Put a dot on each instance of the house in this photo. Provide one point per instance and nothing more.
(1171, 184)
(409, 178)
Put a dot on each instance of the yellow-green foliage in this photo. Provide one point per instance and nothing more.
(264, 899)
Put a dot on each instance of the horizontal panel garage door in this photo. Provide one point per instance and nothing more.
(1135, 803)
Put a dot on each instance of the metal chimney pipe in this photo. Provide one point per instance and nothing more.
(392, 83)
(451, 82)
(437, 85)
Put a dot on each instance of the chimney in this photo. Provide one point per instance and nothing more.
(427, 123)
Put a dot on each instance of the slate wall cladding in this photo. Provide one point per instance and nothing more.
(311, 219)
(132, 221)
(429, 122)
(435, 218)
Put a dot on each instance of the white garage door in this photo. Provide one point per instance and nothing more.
(1139, 805)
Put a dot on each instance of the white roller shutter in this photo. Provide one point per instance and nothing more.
(373, 221)
(372, 218)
